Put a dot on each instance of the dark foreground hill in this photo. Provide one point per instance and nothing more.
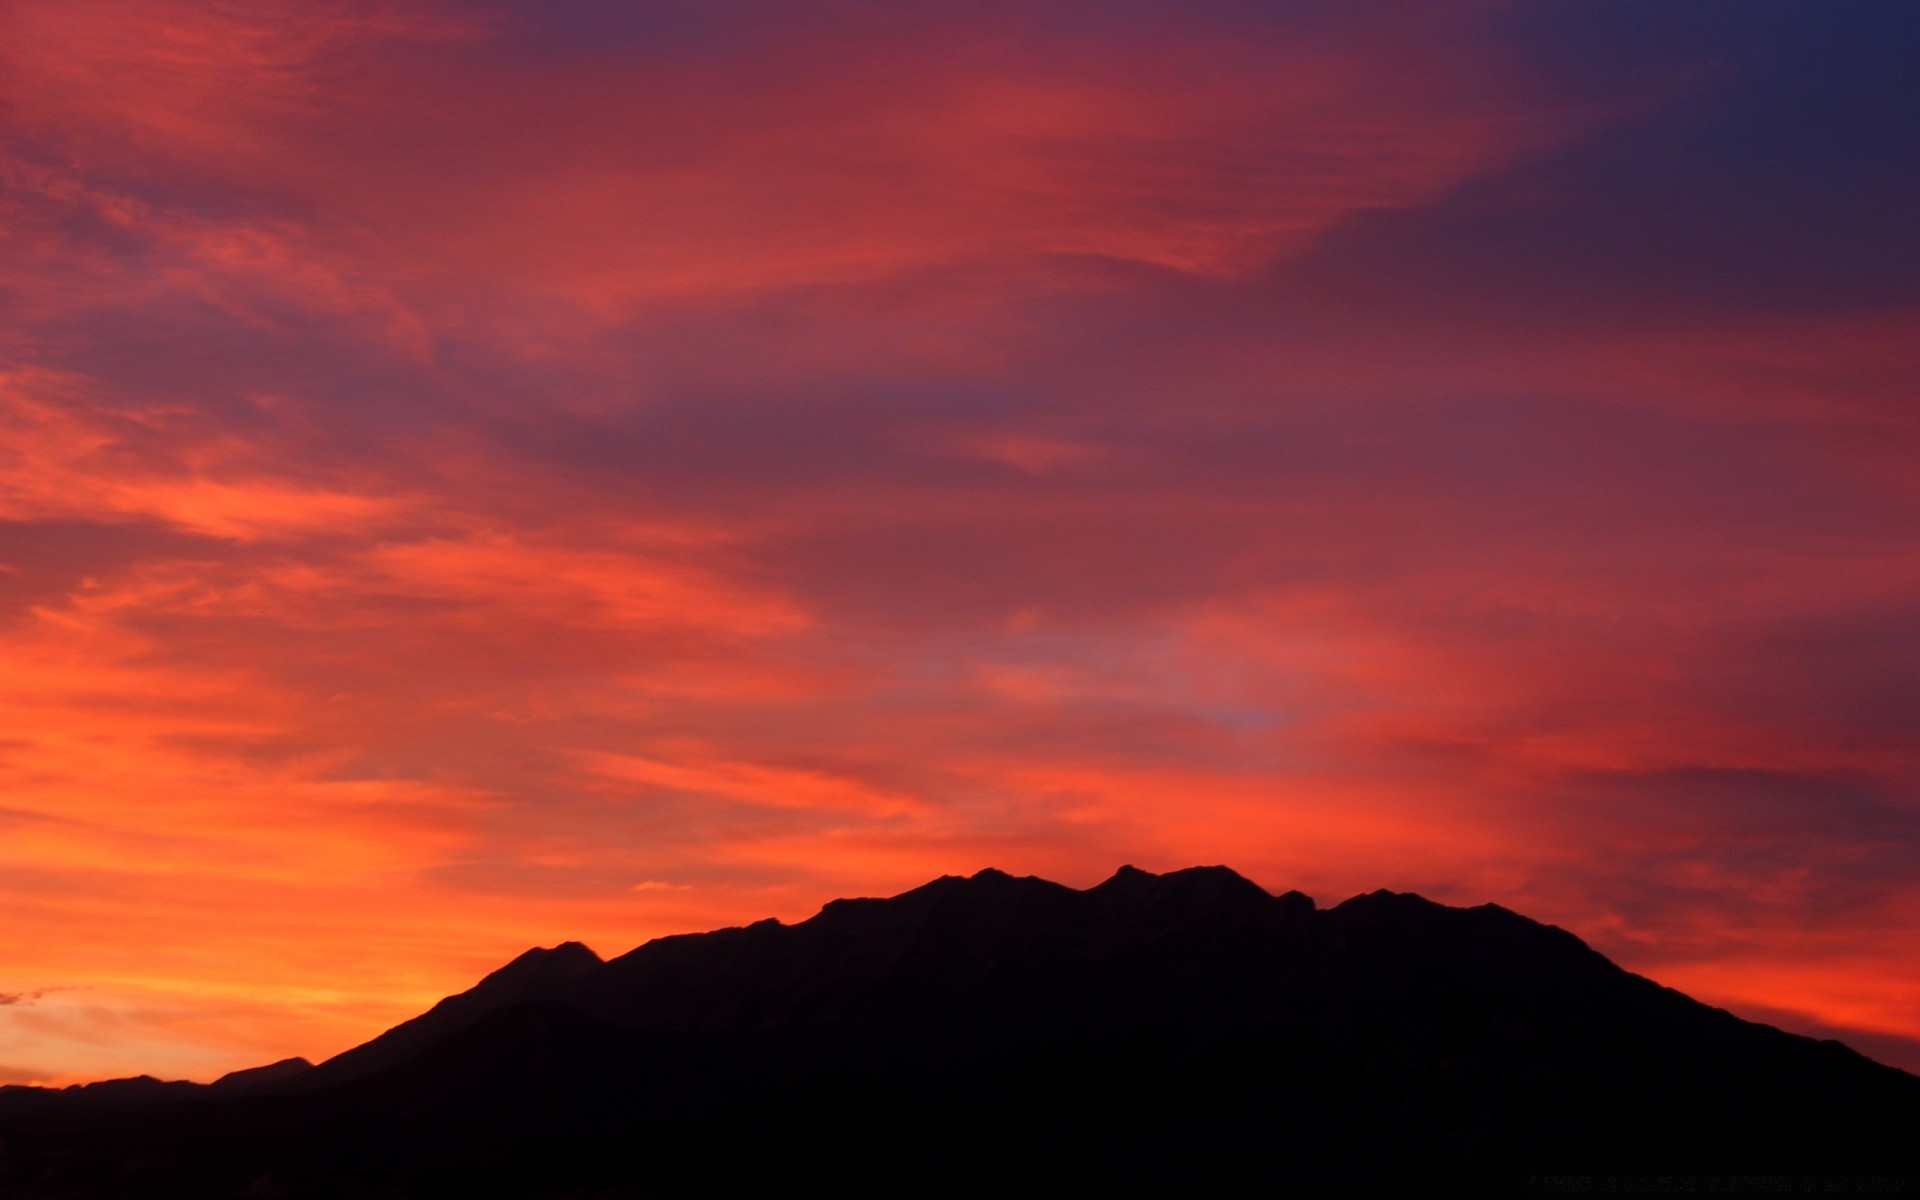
(1179, 1034)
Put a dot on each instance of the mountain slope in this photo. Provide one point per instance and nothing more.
(539, 974)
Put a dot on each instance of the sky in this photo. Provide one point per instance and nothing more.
(479, 475)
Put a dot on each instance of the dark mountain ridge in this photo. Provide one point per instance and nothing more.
(1001, 1034)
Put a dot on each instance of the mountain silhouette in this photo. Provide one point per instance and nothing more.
(1157, 1034)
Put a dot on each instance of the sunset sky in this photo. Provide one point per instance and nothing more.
(475, 475)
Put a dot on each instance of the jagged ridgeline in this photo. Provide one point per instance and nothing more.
(1157, 1034)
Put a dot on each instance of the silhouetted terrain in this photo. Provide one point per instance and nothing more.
(1175, 1034)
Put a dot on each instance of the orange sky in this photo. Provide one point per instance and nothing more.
(474, 476)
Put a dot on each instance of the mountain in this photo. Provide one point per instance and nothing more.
(993, 1035)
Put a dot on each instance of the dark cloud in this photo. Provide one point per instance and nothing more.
(1775, 178)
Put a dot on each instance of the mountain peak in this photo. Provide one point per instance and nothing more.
(565, 956)
(538, 970)
(1215, 877)
(1207, 884)
(1387, 900)
(534, 975)
(988, 881)
(990, 877)
(1129, 876)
